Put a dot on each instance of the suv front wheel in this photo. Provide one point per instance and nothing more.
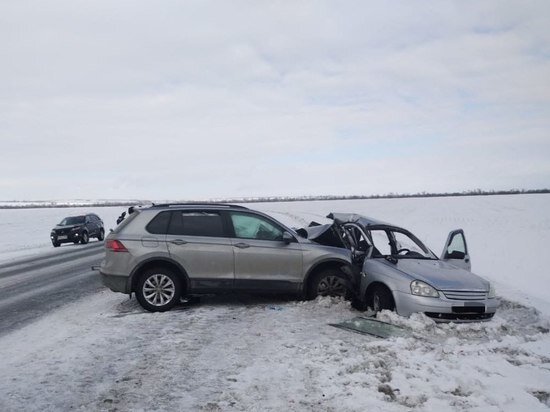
(329, 282)
(158, 289)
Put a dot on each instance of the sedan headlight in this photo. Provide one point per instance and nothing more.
(492, 293)
(419, 288)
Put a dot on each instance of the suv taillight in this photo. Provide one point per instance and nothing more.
(115, 246)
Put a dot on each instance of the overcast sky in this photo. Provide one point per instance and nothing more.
(208, 99)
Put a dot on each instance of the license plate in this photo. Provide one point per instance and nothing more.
(63, 237)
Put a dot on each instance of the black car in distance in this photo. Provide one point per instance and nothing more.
(77, 229)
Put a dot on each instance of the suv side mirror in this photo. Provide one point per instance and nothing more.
(288, 238)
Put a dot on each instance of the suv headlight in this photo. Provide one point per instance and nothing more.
(492, 293)
(419, 288)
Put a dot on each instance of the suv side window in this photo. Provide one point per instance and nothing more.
(196, 223)
(255, 227)
(159, 224)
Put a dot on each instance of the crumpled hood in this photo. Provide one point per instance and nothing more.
(322, 234)
(440, 274)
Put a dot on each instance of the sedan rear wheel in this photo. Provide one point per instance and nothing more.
(158, 290)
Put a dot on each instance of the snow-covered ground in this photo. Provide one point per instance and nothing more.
(261, 353)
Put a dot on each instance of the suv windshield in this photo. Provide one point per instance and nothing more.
(399, 244)
(75, 220)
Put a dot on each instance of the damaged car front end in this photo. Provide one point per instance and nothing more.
(398, 272)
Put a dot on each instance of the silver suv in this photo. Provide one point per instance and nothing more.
(165, 252)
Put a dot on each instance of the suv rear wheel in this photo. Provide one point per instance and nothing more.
(158, 289)
(329, 282)
(101, 235)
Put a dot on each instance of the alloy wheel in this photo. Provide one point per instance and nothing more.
(158, 289)
(332, 286)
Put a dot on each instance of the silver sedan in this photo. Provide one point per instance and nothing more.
(398, 272)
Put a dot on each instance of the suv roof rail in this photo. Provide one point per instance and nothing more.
(201, 204)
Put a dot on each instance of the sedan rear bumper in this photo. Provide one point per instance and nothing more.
(445, 310)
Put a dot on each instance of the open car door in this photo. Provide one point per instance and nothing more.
(456, 250)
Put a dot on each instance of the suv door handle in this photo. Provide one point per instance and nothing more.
(241, 245)
(178, 242)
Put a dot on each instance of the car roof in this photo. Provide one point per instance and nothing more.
(192, 205)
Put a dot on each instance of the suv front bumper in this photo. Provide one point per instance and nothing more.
(70, 237)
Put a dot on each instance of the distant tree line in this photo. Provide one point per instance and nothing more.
(476, 192)
(391, 195)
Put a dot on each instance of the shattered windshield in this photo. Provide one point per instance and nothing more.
(399, 244)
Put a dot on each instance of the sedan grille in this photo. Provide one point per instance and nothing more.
(465, 294)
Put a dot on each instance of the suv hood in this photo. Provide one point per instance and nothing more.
(439, 274)
(68, 226)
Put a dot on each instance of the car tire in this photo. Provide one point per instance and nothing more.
(158, 289)
(329, 282)
(380, 298)
(101, 235)
(85, 238)
(55, 244)
(76, 242)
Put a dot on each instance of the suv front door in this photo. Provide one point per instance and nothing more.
(262, 259)
(198, 241)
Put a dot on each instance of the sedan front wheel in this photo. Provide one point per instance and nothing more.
(381, 299)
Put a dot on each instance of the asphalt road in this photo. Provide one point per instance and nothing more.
(32, 287)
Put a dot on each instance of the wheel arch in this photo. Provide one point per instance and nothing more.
(377, 284)
(155, 262)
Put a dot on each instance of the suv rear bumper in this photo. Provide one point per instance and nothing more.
(115, 283)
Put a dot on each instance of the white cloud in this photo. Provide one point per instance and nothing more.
(211, 99)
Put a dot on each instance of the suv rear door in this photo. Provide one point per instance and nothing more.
(91, 225)
(263, 261)
(198, 240)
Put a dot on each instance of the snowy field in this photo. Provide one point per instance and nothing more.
(26, 232)
(261, 353)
